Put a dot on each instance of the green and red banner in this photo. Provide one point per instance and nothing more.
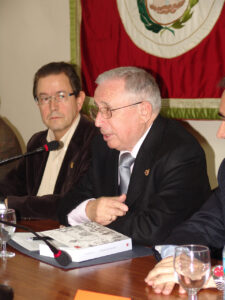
(180, 42)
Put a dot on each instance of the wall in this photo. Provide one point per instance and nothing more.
(32, 33)
(35, 32)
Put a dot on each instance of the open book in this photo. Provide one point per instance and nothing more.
(83, 242)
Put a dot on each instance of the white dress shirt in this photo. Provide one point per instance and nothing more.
(55, 159)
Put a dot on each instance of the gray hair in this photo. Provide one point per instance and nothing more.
(138, 82)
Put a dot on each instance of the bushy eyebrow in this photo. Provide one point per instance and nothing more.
(102, 102)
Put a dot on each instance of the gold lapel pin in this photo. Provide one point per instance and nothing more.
(71, 165)
(147, 172)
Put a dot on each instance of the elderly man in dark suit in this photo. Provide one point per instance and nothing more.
(168, 179)
(206, 226)
(34, 187)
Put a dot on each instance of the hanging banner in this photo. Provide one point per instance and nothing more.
(180, 42)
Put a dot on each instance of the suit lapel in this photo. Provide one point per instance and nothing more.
(70, 159)
(145, 160)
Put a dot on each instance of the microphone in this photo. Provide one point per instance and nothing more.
(54, 145)
(6, 292)
(62, 257)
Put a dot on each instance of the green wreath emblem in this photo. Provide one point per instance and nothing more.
(155, 27)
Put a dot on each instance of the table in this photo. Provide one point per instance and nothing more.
(34, 280)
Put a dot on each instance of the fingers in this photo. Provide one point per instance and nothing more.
(164, 289)
(105, 210)
(165, 266)
(181, 290)
(210, 283)
(120, 198)
(161, 277)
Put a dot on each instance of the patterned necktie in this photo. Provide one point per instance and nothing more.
(126, 160)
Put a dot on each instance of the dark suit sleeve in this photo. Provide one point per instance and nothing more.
(44, 207)
(79, 193)
(20, 184)
(207, 226)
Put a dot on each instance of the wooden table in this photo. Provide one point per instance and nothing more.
(34, 280)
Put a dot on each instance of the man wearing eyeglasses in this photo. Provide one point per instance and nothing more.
(166, 165)
(33, 189)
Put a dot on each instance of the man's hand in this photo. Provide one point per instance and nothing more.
(163, 280)
(105, 210)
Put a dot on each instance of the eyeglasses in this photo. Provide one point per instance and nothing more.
(106, 111)
(221, 116)
(58, 98)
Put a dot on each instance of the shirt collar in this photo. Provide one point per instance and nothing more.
(136, 148)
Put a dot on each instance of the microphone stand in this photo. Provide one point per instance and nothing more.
(51, 146)
(62, 257)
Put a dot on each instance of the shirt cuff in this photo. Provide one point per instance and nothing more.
(78, 215)
(166, 250)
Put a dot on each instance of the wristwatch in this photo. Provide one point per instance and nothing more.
(218, 277)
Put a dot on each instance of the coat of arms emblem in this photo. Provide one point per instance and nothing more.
(161, 15)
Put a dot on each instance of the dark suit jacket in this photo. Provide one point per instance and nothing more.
(9, 146)
(207, 226)
(168, 183)
(21, 185)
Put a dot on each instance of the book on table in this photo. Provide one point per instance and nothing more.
(83, 242)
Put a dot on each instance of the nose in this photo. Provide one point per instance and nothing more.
(53, 104)
(98, 119)
(221, 131)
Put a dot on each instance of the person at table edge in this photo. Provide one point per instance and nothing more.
(206, 227)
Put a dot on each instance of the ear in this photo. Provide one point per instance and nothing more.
(80, 100)
(145, 109)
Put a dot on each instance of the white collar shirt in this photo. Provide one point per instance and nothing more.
(55, 160)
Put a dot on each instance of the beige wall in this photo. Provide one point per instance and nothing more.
(32, 33)
(35, 32)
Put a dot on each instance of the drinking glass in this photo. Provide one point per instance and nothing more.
(6, 231)
(192, 267)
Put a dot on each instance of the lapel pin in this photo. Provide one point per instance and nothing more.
(71, 165)
(147, 172)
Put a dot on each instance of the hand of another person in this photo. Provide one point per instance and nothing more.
(105, 210)
(163, 280)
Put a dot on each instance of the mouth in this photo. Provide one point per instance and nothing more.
(54, 117)
(106, 136)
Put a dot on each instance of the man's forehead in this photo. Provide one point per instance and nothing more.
(111, 91)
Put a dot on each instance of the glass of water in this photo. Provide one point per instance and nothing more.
(192, 267)
(6, 231)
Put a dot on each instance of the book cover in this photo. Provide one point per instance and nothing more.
(83, 242)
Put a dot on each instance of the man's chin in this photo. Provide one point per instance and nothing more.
(111, 145)
(110, 141)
